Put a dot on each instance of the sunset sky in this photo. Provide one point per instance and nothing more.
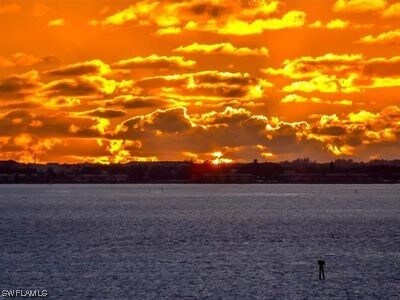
(112, 81)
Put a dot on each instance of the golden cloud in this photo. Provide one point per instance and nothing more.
(49, 125)
(25, 60)
(120, 151)
(154, 61)
(213, 85)
(104, 113)
(359, 5)
(224, 17)
(169, 30)
(169, 120)
(133, 12)
(393, 11)
(294, 98)
(337, 24)
(222, 48)
(25, 147)
(385, 38)
(307, 66)
(345, 73)
(292, 19)
(56, 23)
(71, 87)
(170, 14)
(95, 66)
(19, 86)
(324, 84)
(134, 102)
(235, 132)
(345, 136)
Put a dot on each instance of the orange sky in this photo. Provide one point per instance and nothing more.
(116, 80)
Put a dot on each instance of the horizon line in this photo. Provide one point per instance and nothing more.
(255, 161)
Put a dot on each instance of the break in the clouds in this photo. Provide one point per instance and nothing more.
(115, 81)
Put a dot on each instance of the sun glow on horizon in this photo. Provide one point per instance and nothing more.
(219, 159)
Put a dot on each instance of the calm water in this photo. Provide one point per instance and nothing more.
(201, 241)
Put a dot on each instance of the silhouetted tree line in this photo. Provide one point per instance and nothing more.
(297, 171)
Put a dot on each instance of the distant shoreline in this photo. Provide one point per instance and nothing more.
(198, 183)
(300, 171)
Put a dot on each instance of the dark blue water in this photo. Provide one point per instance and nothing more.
(201, 241)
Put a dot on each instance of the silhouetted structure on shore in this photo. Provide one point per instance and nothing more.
(297, 171)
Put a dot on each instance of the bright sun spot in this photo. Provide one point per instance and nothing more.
(219, 159)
